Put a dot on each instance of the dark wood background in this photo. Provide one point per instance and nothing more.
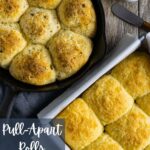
(115, 28)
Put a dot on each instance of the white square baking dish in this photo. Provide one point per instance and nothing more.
(125, 47)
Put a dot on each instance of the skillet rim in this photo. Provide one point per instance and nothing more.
(58, 85)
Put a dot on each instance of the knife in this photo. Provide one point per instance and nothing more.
(129, 17)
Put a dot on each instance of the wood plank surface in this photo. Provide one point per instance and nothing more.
(115, 28)
(144, 9)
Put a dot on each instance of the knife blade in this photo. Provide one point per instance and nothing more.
(129, 17)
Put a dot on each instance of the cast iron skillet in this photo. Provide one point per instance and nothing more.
(98, 53)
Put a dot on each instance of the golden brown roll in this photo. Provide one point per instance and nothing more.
(49, 4)
(132, 131)
(104, 142)
(134, 74)
(11, 10)
(33, 66)
(144, 103)
(108, 99)
(39, 25)
(70, 51)
(81, 125)
(11, 43)
(79, 16)
(147, 148)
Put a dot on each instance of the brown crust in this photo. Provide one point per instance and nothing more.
(79, 16)
(11, 10)
(70, 52)
(39, 25)
(7, 42)
(11, 43)
(80, 130)
(49, 4)
(33, 66)
(134, 74)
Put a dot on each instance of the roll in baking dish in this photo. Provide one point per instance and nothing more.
(132, 131)
(104, 142)
(123, 116)
(81, 125)
(144, 103)
(108, 99)
(148, 147)
(134, 74)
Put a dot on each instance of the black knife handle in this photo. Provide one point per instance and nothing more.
(146, 26)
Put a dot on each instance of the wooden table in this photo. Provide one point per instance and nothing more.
(115, 28)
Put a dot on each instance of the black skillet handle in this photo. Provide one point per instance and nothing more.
(7, 103)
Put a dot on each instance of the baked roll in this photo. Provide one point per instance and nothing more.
(48, 4)
(11, 43)
(70, 52)
(132, 131)
(39, 25)
(144, 103)
(11, 10)
(79, 16)
(33, 66)
(147, 148)
(108, 99)
(81, 125)
(104, 142)
(134, 74)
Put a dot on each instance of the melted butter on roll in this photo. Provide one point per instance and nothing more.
(11, 10)
(79, 16)
(11, 43)
(70, 52)
(33, 66)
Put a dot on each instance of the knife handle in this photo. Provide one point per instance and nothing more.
(146, 26)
